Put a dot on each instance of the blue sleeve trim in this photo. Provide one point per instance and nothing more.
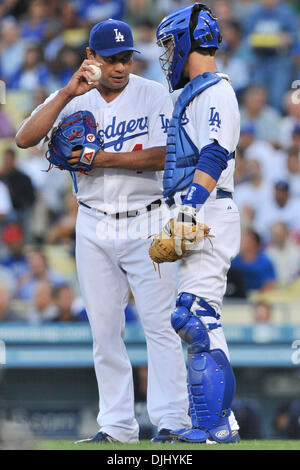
(213, 160)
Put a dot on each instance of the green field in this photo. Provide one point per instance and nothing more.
(146, 445)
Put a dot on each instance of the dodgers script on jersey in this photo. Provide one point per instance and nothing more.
(217, 116)
(138, 116)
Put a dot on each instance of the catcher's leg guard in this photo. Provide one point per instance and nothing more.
(211, 382)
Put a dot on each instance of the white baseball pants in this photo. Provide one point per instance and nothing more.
(204, 272)
(106, 264)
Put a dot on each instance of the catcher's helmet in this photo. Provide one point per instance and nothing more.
(180, 33)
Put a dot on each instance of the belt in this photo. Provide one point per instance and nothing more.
(133, 213)
(221, 194)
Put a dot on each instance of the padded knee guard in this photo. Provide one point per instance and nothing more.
(211, 382)
(191, 329)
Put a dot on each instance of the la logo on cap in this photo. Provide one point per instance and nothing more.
(119, 36)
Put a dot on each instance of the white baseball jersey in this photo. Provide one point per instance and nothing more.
(136, 119)
(107, 262)
(214, 115)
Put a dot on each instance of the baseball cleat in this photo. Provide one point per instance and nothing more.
(235, 439)
(98, 438)
(199, 436)
(163, 436)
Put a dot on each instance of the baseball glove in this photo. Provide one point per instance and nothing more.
(175, 239)
(75, 132)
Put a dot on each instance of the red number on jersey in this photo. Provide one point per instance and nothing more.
(135, 148)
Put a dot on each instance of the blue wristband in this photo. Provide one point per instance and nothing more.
(196, 196)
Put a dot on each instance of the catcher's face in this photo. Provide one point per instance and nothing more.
(115, 69)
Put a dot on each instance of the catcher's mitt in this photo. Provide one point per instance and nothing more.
(76, 132)
(175, 239)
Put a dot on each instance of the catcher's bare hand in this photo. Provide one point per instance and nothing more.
(79, 82)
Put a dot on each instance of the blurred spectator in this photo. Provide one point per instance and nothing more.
(38, 271)
(273, 31)
(262, 313)
(15, 259)
(68, 309)
(296, 136)
(13, 8)
(235, 287)
(149, 52)
(256, 111)
(286, 423)
(240, 167)
(236, 68)
(12, 49)
(38, 95)
(272, 162)
(223, 9)
(232, 57)
(250, 418)
(33, 27)
(154, 11)
(140, 377)
(6, 312)
(253, 264)
(44, 309)
(33, 73)
(66, 63)
(284, 253)
(293, 424)
(19, 185)
(291, 118)
(93, 11)
(243, 8)
(67, 12)
(252, 194)
(131, 315)
(296, 58)
(281, 208)
(293, 167)
(232, 34)
(50, 188)
(6, 126)
(63, 230)
(140, 65)
(5, 202)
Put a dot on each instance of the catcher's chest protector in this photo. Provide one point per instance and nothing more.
(182, 155)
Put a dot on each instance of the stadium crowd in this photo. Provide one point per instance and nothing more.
(42, 43)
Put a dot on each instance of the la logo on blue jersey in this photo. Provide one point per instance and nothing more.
(214, 119)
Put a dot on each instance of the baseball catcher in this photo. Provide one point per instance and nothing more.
(202, 137)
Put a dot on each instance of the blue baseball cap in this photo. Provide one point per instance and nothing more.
(111, 37)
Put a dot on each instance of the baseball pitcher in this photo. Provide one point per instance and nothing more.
(107, 127)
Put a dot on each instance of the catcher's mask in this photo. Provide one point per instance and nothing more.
(180, 33)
